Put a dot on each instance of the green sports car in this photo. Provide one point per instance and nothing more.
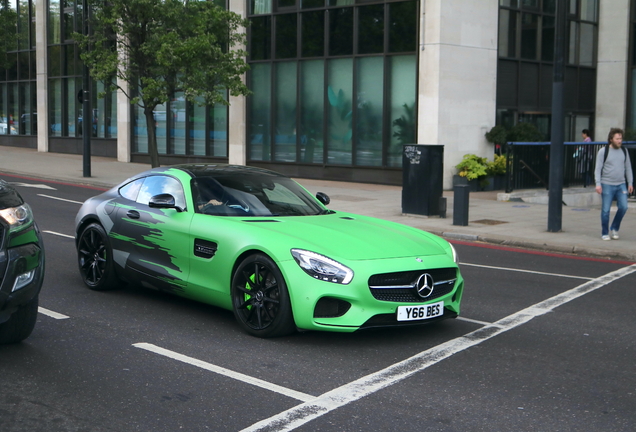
(257, 243)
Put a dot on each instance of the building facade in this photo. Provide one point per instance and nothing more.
(339, 86)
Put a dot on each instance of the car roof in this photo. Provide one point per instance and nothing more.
(217, 170)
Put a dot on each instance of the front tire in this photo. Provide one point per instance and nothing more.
(20, 324)
(260, 298)
(95, 259)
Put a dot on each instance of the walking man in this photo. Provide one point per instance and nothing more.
(614, 179)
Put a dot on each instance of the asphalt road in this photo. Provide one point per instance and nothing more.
(544, 343)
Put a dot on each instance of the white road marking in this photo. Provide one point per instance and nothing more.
(58, 234)
(52, 314)
(483, 323)
(60, 199)
(222, 371)
(31, 185)
(332, 400)
(526, 271)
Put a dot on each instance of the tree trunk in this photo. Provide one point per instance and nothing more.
(152, 137)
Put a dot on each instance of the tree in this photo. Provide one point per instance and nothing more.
(161, 47)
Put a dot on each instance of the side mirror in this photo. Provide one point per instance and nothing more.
(323, 198)
(163, 201)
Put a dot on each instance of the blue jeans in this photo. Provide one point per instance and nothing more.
(609, 194)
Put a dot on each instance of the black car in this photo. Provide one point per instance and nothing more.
(21, 266)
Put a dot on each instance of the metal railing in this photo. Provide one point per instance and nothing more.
(528, 163)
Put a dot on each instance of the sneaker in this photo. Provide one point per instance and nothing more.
(614, 235)
(605, 237)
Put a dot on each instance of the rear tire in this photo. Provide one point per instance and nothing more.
(20, 324)
(95, 259)
(260, 299)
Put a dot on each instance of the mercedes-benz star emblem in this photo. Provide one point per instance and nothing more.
(424, 285)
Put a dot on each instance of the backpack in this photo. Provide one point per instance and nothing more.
(607, 152)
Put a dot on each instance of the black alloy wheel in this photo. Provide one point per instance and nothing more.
(260, 299)
(95, 258)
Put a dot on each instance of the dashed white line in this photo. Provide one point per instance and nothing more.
(52, 314)
(337, 398)
(60, 199)
(222, 371)
(58, 234)
(526, 271)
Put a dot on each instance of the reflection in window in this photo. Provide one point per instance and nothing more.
(261, 6)
(341, 31)
(586, 45)
(529, 33)
(55, 107)
(403, 26)
(402, 106)
(312, 111)
(340, 92)
(177, 124)
(369, 102)
(285, 121)
(196, 117)
(371, 27)
(218, 129)
(286, 38)
(313, 34)
(547, 39)
(507, 33)
(260, 112)
(588, 10)
(572, 45)
(261, 39)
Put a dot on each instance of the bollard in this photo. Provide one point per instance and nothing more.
(442, 207)
(460, 204)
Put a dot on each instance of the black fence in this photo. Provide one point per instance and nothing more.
(528, 164)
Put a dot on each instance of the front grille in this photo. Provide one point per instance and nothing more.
(399, 287)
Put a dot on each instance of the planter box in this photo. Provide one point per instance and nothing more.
(493, 183)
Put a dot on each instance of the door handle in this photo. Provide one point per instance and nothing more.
(133, 214)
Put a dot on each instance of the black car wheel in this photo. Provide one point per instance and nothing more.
(260, 299)
(20, 323)
(95, 259)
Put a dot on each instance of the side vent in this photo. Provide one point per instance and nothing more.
(204, 248)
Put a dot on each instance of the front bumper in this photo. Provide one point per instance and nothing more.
(17, 260)
(353, 305)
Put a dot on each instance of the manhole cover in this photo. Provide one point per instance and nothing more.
(489, 222)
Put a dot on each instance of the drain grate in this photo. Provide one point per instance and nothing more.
(489, 222)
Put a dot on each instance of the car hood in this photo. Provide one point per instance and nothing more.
(352, 237)
(8, 196)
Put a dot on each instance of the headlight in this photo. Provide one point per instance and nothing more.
(17, 217)
(322, 268)
(455, 256)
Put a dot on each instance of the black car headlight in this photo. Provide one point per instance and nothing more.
(18, 218)
(322, 268)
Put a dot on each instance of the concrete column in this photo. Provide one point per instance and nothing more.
(42, 83)
(457, 78)
(237, 129)
(611, 68)
(124, 124)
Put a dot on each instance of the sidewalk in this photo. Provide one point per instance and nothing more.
(520, 224)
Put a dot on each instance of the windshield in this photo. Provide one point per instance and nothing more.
(253, 195)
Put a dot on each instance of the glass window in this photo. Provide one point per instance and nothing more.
(529, 33)
(155, 185)
(104, 112)
(13, 115)
(261, 6)
(313, 34)
(370, 101)
(260, 112)
(131, 190)
(73, 118)
(177, 124)
(312, 111)
(572, 43)
(341, 31)
(23, 25)
(12, 68)
(55, 106)
(285, 121)
(509, 3)
(547, 38)
(285, 3)
(196, 114)
(261, 38)
(340, 96)
(25, 109)
(530, 4)
(4, 123)
(549, 6)
(402, 106)
(507, 33)
(588, 10)
(403, 26)
(371, 29)
(23, 65)
(161, 116)
(306, 4)
(54, 22)
(55, 64)
(140, 131)
(286, 36)
(218, 129)
(586, 45)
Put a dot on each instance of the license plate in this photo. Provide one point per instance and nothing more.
(413, 313)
